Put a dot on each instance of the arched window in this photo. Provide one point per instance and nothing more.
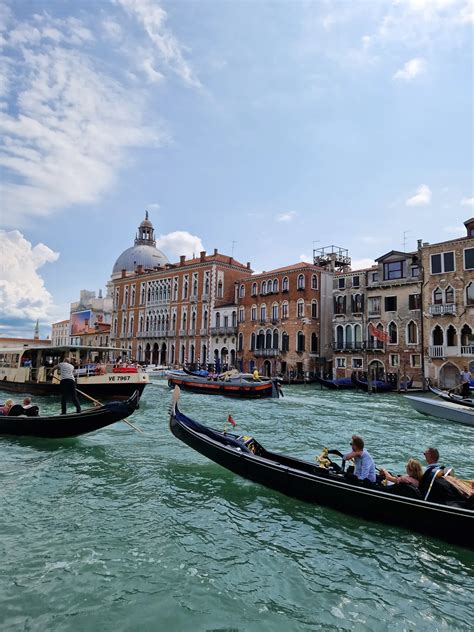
(285, 342)
(183, 354)
(285, 286)
(470, 294)
(300, 342)
(242, 291)
(449, 295)
(268, 339)
(348, 333)
(218, 319)
(241, 314)
(264, 287)
(220, 289)
(261, 339)
(193, 323)
(314, 282)
(392, 333)
(191, 355)
(451, 336)
(340, 305)
(205, 319)
(275, 286)
(357, 337)
(412, 333)
(314, 309)
(300, 308)
(240, 344)
(204, 355)
(234, 319)
(284, 310)
(300, 283)
(339, 337)
(275, 339)
(263, 313)
(185, 289)
(357, 303)
(438, 336)
(466, 336)
(253, 313)
(254, 289)
(314, 343)
(185, 318)
(438, 297)
(252, 341)
(274, 312)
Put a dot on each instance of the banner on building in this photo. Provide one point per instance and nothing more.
(80, 322)
(378, 333)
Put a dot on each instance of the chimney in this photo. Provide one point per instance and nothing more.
(202, 255)
(215, 252)
(182, 259)
(248, 265)
(419, 243)
(124, 273)
(139, 269)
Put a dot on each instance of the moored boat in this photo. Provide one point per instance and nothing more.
(380, 386)
(72, 425)
(312, 483)
(239, 385)
(442, 409)
(30, 370)
(340, 383)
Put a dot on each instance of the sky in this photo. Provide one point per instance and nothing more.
(263, 129)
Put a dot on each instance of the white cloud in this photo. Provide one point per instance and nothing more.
(467, 201)
(361, 264)
(306, 258)
(180, 243)
(286, 217)
(23, 295)
(411, 69)
(152, 18)
(422, 196)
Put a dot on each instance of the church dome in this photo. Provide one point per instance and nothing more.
(143, 253)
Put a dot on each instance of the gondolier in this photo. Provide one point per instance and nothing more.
(68, 386)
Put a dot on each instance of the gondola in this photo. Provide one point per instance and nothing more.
(380, 386)
(319, 485)
(72, 425)
(451, 397)
(240, 386)
(339, 383)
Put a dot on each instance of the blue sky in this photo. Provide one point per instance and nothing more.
(277, 125)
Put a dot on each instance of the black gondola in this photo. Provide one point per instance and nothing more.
(339, 383)
(315, 484)
(451, 397)
(380, 386)
(73, 425)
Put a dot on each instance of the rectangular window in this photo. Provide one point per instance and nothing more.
(443, 262)
(415, 271)
(469, 259)
(374, 305)
(394, 359)
(357, 363)
(375, 277)
(341, 283)
(355, 281)
(390, 303)
(415, 360)
(414, 301)
(394, 270)
(340, 363)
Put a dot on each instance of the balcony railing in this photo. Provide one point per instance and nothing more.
(347, 346)
(192, 332)
(193, 298)
(437, 351)
(223, 331)
(440, 310)
(182, 332)
(266, 353)
(203, 331)
(205, 297)
(467, 351)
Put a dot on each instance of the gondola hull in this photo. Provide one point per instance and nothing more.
(344, 383)
(73, 425)
(232, 388)
(447, 397)
(310, 483)
(120, 388)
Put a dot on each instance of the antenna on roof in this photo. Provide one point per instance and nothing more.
(233, 244)
(405, 233)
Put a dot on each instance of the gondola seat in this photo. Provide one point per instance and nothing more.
(404, 489)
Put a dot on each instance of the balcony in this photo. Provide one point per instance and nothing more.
(374, 314)
(262, 321)
(275, 321)
(347, 346)
(467, 351)
(193, 298)
(205, 297)
(451, 351)
(203, 331)
(182, 332)
(441, 310)
(192, 332)
(223, 331)
(266, 353)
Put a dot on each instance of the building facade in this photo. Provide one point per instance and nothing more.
(284, 320)
(60, 333)
(448, 307)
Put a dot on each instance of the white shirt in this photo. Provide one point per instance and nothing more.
(465, 377)
(66, 371)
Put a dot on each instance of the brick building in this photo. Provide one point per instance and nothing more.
(162, 311)
(284, 320)
(448, 306)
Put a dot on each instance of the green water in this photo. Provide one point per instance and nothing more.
(120, 531)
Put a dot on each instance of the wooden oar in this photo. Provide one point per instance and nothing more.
(97, 403)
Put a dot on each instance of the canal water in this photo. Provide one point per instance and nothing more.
(121, 531)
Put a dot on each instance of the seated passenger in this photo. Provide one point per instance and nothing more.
(364, 463)
(412, 477)
(5, 409)
(29, 409)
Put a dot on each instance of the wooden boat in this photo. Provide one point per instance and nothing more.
(28, 370)
(451, 397)
(380, 386)
(442, 409)
(325, 486)
(340, 383)
(73, 425)
(241, 385)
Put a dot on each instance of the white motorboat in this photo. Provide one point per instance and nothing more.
(442, 409)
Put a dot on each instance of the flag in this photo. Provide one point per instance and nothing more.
(231, 421)
(378, 333)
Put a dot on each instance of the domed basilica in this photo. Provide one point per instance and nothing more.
(143, 253)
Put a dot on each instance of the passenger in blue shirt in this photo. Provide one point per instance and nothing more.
(364, 463)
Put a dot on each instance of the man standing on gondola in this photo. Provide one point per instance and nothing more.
(68, 386)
